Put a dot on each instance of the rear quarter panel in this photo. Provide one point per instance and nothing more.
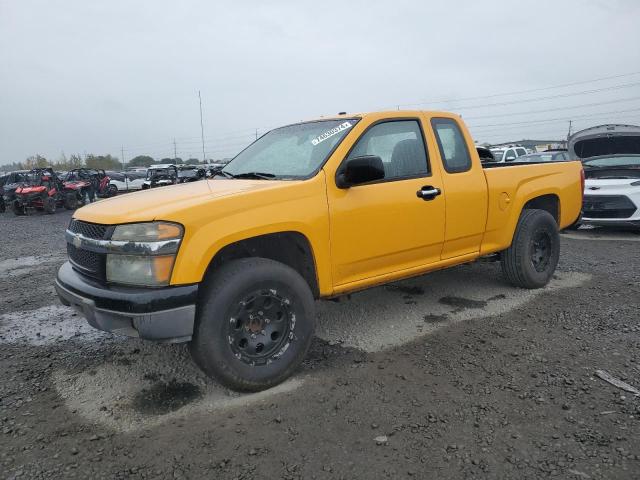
(510, 188)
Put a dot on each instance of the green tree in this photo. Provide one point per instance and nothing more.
(36, 161)
(141, 161)
(106, 162)
(193, 161)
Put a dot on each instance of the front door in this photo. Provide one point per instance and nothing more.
(387, 226)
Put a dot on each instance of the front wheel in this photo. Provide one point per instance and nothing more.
(534, 253)
(49, 204)
(18, 208)
(255, 324)
(112, 190)
(71, 201)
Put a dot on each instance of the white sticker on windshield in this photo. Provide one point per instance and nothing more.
(331, 133)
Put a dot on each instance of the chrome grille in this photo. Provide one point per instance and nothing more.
(90, 230)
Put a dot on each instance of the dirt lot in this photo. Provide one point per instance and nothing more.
(453, 375)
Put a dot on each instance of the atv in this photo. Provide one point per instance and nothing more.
(88, 183)
(8, 185)
(43, 191)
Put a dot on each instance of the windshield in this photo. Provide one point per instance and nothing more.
(161, 172)
(295, 151)
(616, 161)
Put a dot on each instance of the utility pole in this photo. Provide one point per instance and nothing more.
(201, 128)
(175, 151)
(124, 163)
(256, 133)
(569, 134)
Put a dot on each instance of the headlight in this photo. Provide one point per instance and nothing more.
(147, 232)
(147, 257)
(148, 271)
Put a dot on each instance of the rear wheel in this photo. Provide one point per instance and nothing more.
(3, 207)
(18, 208)
(112, 191)
(49, 204)
(532, 258)
(255, 323)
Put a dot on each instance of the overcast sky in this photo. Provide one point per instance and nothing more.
(90, 77)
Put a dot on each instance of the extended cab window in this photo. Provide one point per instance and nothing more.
(510, 155)
(400, 146)
(452, 145)
(521, 151)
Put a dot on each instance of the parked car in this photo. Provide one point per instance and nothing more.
(233, 264)
(160, 176)
(214, 169)
(190, 173)
(125, 181)
(8, 184)
(485, 154)
(557, 156)
(508, 154)
(610, 155)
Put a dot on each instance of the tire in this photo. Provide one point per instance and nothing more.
(3, 207)
(49, 205)
(226, 341)
(71, 201)
(112, 190)
(18, 208)
(532, 258)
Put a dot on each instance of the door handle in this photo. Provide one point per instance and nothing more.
(428, 193)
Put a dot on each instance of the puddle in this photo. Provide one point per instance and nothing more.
(162, 398)
(382, 317)
(47, 325)
(406, 289)
(462, 303)
(14, 267)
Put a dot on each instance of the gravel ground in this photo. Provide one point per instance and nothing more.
(452, 375)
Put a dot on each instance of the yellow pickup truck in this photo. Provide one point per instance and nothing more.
(312, 210)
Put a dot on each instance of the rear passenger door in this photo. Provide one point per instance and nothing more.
(385, 226)
(464, 187)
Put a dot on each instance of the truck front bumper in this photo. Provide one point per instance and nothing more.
(163, 314)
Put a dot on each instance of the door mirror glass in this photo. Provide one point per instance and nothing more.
(357, 170)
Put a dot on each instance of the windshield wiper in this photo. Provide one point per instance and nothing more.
(259, 175)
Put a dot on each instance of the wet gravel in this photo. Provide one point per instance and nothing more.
(512, 395)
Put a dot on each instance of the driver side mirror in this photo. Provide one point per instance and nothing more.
(357, 170)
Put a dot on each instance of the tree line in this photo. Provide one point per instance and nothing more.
(105, 162)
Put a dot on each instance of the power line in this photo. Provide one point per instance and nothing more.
(550, 97)
(532, 90)
(547, 110)
(597, 114)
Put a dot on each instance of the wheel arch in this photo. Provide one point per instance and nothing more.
(549, 202)
(291, 248)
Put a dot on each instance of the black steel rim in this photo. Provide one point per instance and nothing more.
(261, 327)
(541, 251)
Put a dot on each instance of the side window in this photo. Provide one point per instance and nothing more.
(510, 155)
(452, 145)
(521, 151)
(400, 146)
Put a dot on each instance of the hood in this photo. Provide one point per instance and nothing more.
(35, 189)
(605, 140)
(162, 203)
